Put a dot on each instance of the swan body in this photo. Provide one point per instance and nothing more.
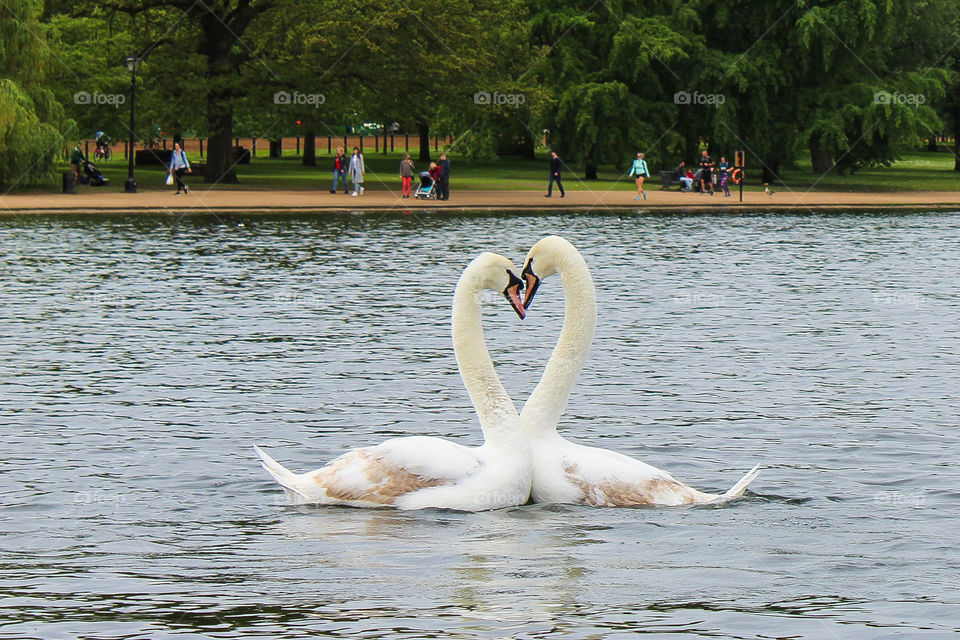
(564, 471)
(420, 472)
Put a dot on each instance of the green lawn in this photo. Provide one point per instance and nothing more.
(920, 170)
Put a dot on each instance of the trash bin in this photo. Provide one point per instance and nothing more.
(69, 182)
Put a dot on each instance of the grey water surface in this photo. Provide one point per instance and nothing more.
(141, 357)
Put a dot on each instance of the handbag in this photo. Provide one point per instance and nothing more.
(169, 179)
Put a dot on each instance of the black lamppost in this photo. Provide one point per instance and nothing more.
(132, 63)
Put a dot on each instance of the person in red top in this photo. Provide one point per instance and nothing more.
(339, 171)
(434, 171)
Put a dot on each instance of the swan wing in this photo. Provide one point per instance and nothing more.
(610, 479)
(381, 474)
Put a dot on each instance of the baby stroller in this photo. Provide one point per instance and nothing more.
(91, 175)
(427, 189)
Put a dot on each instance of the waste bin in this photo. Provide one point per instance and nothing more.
(69, 182)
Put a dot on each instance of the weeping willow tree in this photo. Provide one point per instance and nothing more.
(613, 68)
(32, 122)
(849, 81)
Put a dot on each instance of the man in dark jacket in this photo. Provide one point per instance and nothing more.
(340, 162)
(443, 184)
(555, 165)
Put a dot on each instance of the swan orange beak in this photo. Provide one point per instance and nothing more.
(512, 294)
(532, 280)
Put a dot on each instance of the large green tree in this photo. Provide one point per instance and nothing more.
(828, 76)
(613, 69)
(32, 123)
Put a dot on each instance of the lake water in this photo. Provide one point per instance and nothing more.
(141, 357)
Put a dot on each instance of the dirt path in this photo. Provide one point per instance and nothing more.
(92, 200)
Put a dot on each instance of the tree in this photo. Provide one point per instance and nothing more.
(32, 122)
(612, 67)
(827, 75)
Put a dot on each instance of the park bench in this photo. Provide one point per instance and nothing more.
(666, 177)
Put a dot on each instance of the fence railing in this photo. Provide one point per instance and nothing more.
(324, 145)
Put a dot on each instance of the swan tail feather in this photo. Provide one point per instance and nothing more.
(738, 489)
(284, 477)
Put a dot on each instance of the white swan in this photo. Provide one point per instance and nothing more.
(419, 472)
(564, 471)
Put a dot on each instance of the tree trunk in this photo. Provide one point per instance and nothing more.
(820, 159)
(276, 148)
(590, 170)
(220, 160)
(215, 43)
(424, 132)
(771, 172)
(528, 146)
(309, 148)
(932, 143)
(956, 137)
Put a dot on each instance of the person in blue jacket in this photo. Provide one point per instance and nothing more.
(179, 165)
(555, 166)
(639, 170)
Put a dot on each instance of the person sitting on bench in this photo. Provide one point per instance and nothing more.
(680, 175)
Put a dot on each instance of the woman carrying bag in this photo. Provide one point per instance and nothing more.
(179, 165)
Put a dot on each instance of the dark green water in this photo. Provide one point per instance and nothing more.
(141, 357)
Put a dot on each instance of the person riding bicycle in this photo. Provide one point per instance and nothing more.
(103, 145)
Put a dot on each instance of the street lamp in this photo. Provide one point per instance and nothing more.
(132, 63)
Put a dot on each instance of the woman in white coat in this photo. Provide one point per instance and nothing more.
(356, 172)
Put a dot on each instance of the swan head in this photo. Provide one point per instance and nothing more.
(498, 273)
(546, 256)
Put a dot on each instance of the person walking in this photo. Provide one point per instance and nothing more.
(179, 165)
(357, 171)
(724, 170)
(555, 166)
(639, 170)
(706, 172)
(339, 171)
(444, 184)
(406, 175)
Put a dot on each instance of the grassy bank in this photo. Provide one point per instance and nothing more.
(916, 171)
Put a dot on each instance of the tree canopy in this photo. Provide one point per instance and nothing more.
(849, 82)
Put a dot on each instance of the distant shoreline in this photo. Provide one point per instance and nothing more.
(199, 200)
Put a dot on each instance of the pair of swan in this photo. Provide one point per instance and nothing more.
(523, 456)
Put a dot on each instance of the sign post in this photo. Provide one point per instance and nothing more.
(739, 161)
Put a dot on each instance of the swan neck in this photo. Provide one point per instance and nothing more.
(547, 403)
(498, 416)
